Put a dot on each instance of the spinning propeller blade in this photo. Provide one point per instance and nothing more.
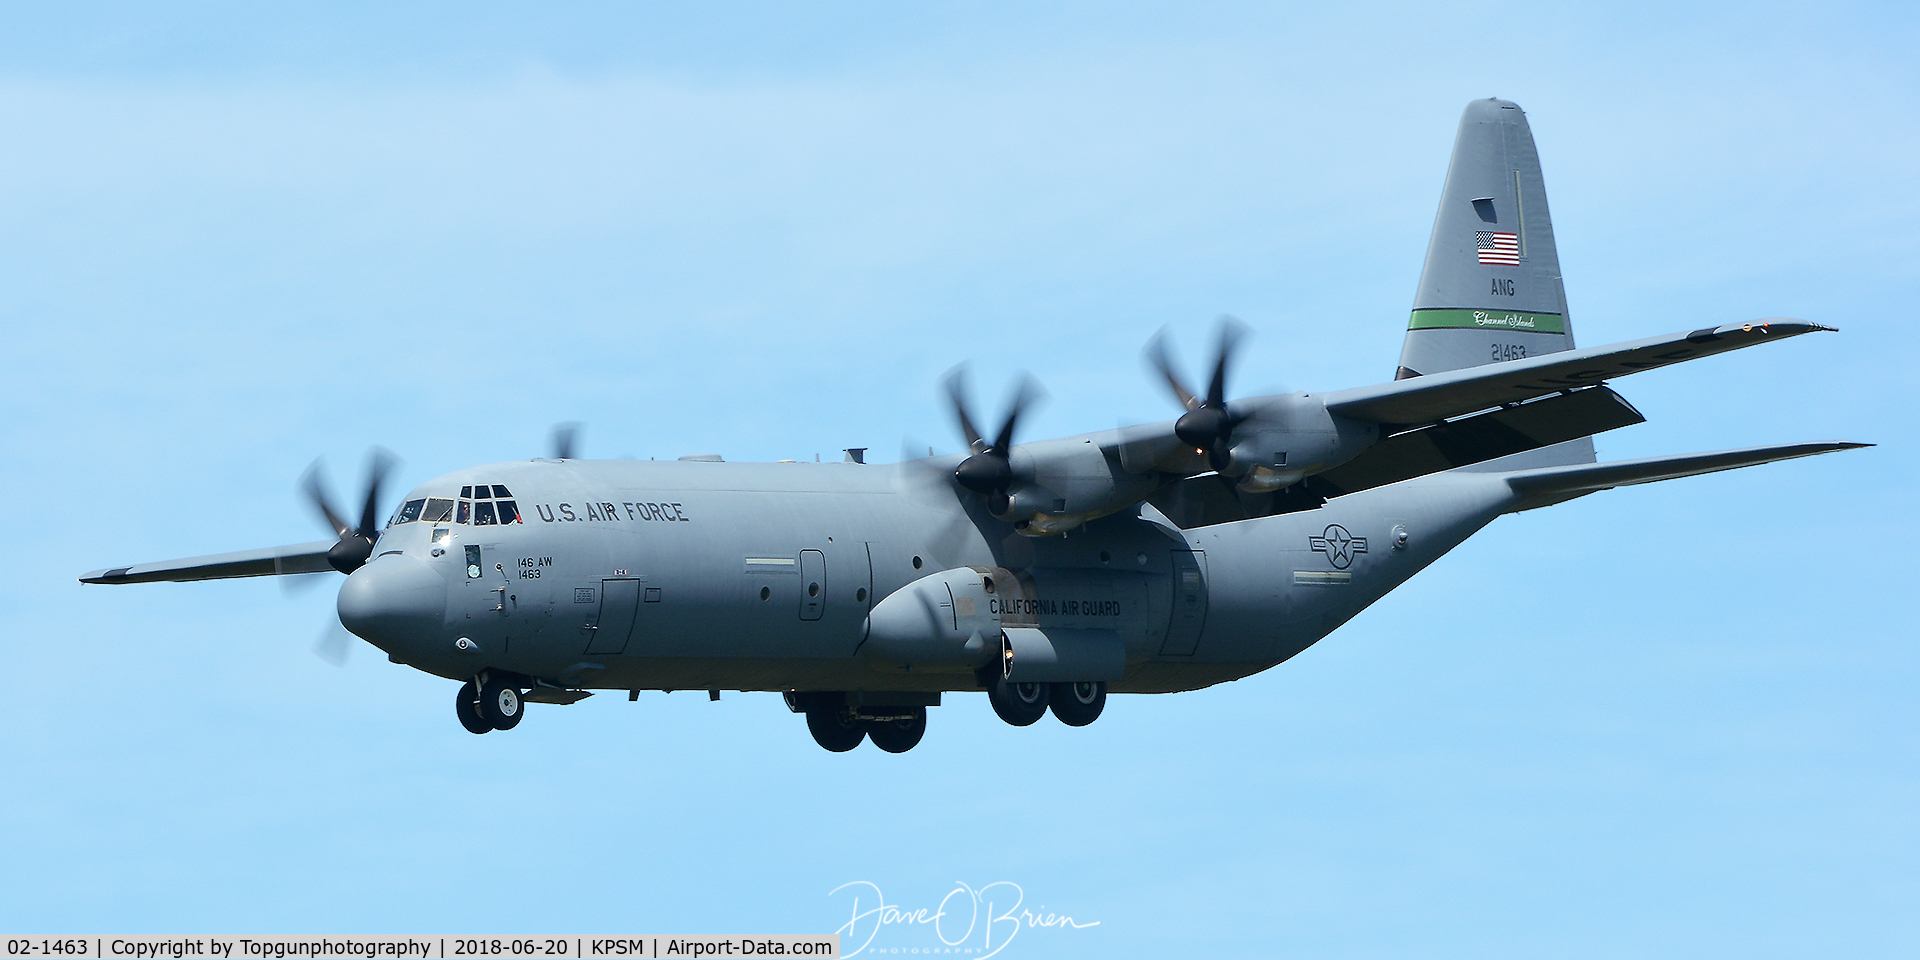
(1208, 423)
(565, 438)
(989, 471)
(956, 384)
(334, 645)
(314, 484)
(356, 542)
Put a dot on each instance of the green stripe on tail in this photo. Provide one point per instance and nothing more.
(1457, 319)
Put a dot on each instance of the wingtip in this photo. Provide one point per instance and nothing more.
(1805, 326)
(1819, 447)
(112, 575)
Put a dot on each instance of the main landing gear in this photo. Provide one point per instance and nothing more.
(840, 727)
(493, 703)
(1022, 704)
(1078, 704)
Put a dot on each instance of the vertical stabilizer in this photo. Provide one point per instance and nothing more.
(1490, 290)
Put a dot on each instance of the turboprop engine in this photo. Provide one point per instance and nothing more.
(1265, 444)
(1282, 440)
(1052, 486)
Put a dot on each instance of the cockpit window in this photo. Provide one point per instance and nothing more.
(411, 511)
(482, 509)
(437, 511)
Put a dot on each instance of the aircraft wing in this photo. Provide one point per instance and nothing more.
(1427, 399)
(268, 562)
(1484, 436)
(1550, 485)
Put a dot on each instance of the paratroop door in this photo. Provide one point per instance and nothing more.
(1189, 603)
(619, 601)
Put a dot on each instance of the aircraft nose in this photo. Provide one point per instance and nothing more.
(393, 600)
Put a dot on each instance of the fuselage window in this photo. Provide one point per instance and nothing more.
(465, 512)
(411, 511)
(500, 491)
(466, 493)
(483, 513)
(437, 511)
(507, 512)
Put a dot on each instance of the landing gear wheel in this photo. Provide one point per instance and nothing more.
(898, 736)
(833, 725)
(500, 704)
(466, 705)
(1018, 703)
(1078, 704)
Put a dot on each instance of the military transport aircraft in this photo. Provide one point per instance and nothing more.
(1048, 573)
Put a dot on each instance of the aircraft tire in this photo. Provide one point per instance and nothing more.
(1078, 704)
(1021, 704)
(500, 704)
(833, 726)
(466, 706)
(898, 736)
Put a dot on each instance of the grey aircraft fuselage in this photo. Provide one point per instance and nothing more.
(1149, 559)
(758, 576)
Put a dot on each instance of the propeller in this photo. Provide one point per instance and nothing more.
(335, 644)
(565, 439)
(356, 541)
(1208, 423)
(989, 471)
(930, 486)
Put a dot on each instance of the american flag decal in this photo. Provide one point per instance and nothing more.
(1497, 248)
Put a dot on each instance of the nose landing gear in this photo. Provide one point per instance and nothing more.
(492, 704)
(466, 705)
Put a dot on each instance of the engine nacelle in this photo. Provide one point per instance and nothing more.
(1293, 437)
(1065, 483)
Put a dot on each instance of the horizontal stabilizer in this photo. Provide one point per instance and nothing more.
(1551, 485)
(268, 562)
(1426, 399)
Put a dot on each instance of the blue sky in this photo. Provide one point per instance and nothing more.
(1666, 721)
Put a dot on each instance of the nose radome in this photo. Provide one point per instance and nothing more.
(392, 601)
